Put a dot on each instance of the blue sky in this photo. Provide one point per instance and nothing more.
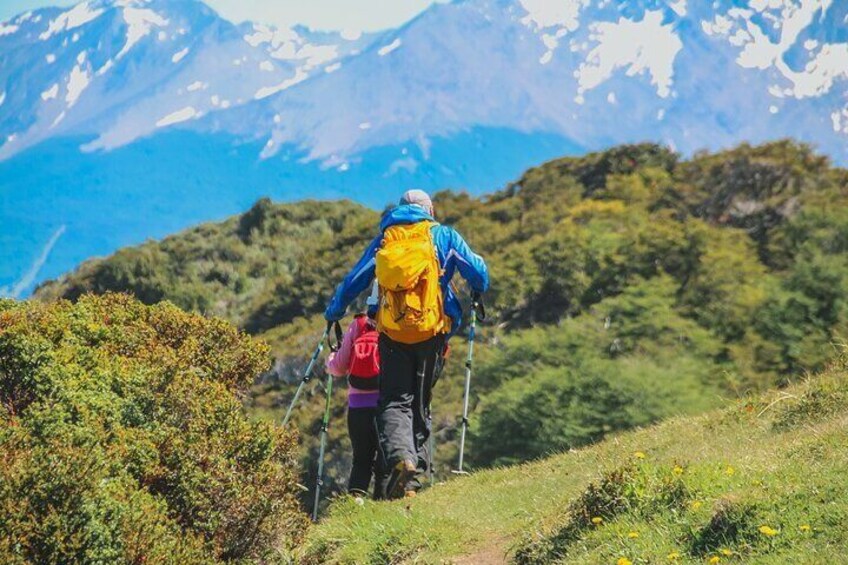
(365, 15)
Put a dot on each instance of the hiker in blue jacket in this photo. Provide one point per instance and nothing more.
(407, 370)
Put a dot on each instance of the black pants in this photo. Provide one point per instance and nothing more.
(362, 429)
(406, 380)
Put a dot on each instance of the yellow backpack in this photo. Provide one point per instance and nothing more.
(411, 302)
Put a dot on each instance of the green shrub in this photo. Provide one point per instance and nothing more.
(123, 438)
(556, 409)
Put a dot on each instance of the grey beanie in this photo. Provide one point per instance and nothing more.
(419, 198)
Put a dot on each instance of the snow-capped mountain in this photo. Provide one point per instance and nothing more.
(127, 119)
(122, 69)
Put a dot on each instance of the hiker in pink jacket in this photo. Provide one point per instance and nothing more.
(358, 359)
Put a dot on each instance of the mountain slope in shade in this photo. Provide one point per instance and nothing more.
(118, 118)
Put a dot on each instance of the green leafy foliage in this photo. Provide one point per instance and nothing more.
(123, 438)
(629, 362)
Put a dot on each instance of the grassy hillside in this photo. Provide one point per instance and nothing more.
(761, 480)
(629, 286)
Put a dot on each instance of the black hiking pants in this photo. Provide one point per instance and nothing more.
(362, 429)
(406, 379)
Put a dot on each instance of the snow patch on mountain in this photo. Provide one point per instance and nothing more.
(679, 7)
(106, 67)
(545, 13)
(287, 44)
(829, 64)
(752, 31)
(58, 119)
(266, 91)
(140, 22)
(267, 34)
(51, 92)
(178, 56)
(644, 46)
(839, 118)
(79, 15)
(8, 29)
(78, 80)
(181, 115)
(386, 49)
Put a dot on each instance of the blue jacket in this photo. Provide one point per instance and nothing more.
(453, 254)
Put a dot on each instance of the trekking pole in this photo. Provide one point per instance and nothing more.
(476, 304)
(325, 426)
(307, 375)
(430, 448)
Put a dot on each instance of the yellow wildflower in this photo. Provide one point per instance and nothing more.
(633, 535)
(715, 559)
(696, 504)
(597, 520)
(725, 551)
(673, 556)
(729, 471)
(639, 455)
(623, 561)
(805, 528)
(678, 470)
(767, 531)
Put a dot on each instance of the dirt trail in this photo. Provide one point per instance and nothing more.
(494, 553)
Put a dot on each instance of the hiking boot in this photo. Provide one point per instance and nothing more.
(400, 475)
(358, 496)
(410, 494)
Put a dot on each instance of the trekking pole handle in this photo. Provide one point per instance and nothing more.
(337, 330)
(478, 306)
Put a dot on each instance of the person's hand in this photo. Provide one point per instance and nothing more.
(477, 304)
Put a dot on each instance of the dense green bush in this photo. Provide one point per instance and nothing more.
(123, 438)
(630, 362)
